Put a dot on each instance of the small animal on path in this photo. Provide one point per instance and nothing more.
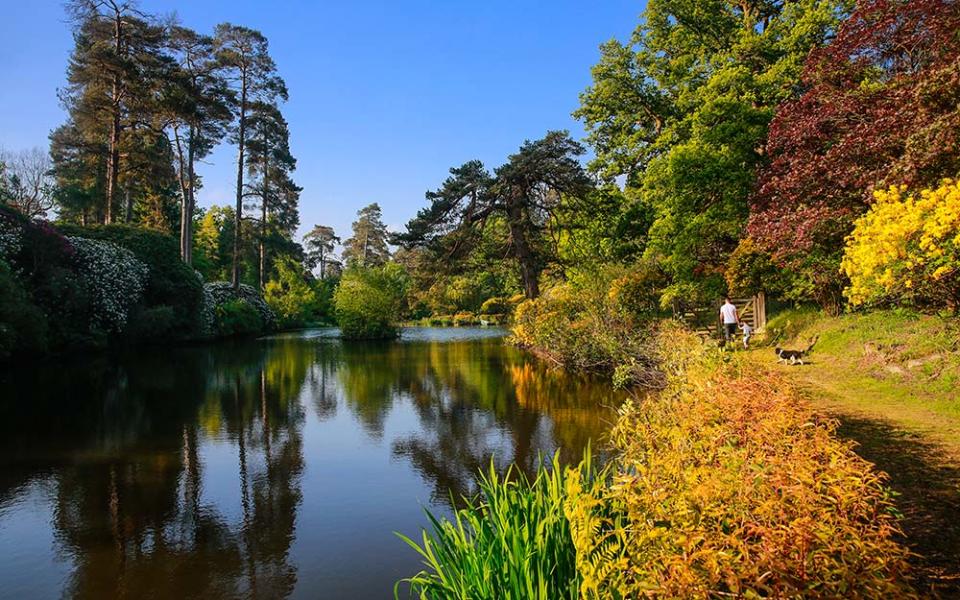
(793, 356)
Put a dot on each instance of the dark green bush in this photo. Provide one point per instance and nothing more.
(171, 281)
(151, 324)
(238, 317)
(23, 327)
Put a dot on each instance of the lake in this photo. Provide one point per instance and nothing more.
(269, 468)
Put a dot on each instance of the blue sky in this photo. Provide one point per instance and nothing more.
(384, 96)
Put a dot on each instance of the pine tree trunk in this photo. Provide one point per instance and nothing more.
(238, 217)
(263, 228)
(191, 201)
(113, 159)
(529, 269)
(184, 194)
(263, 210)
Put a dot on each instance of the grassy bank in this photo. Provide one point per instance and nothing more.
(725, 483)
(900, 366)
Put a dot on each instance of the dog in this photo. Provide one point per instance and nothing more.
(793, 356)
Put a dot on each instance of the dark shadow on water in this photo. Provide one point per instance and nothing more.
(929, 498)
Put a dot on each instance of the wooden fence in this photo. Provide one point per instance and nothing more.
(705, 320)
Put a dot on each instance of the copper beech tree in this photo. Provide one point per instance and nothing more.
(880, 106)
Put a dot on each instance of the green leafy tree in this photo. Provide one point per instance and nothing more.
(680, 113)
(290, 293)
(368, 301)
(367, 247)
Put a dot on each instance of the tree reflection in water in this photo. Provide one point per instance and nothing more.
(137, 449)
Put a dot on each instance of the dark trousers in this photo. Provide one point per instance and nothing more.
(729, 331)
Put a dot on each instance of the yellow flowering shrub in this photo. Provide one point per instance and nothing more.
(906, 248)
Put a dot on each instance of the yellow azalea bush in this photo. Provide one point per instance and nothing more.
(906, 248)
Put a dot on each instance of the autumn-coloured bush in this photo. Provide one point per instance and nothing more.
(728, 485)
(495, 306)
(906, 248)
(587, 327)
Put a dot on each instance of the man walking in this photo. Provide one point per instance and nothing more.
(730, 318)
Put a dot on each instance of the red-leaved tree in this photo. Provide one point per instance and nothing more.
(880, 105)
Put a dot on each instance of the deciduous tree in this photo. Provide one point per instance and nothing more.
(879, 108)
(680, 114)
(25, 181)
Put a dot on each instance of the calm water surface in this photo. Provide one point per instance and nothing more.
(272, 468)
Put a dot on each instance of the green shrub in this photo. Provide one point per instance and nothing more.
(153, 324)
(218, 293)
(367, 302)
(290, 295)
(511, 541)
(170, 281)
(42, 261)
(586, 328)
(238, 317)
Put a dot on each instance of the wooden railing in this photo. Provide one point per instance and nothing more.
(705, 320)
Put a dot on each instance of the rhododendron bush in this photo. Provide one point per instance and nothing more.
(220, 293)
(113, 278)
(906, 248)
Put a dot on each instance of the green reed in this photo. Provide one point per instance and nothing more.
(510, 542)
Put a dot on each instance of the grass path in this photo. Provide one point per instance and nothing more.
(909, 431)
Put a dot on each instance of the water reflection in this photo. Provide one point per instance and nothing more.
(264, 469)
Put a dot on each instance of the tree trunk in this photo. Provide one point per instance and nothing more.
(265, 194)
(263, 227)
(529, 269)
(241, 133)
(113, 158)
(127, 206)
(192, 200)
(184, 194)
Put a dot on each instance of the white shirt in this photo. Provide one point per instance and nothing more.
(729, 312)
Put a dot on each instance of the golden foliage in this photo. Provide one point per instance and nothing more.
(727, 484)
